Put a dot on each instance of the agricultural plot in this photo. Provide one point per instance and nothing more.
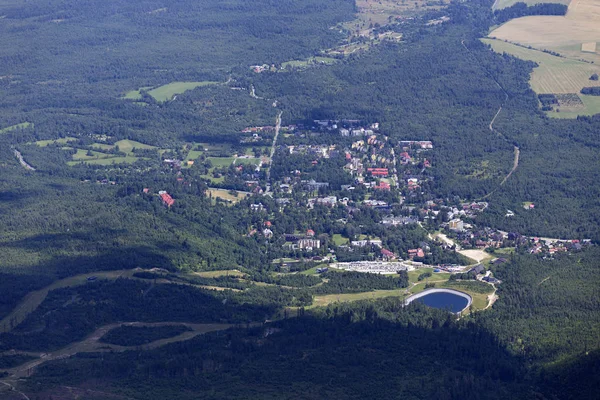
(22, 125)
(561, 34)
(554, 74)
(557, 75)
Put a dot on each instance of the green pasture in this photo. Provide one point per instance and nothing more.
(22, 125)
(166, 92)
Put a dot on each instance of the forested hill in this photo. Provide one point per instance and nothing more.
(115, 46)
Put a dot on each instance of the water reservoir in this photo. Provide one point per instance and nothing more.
(446, 299)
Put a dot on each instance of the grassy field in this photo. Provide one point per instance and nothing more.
(22, 125)
(103, 146)
(221, 161)
(128, 145)
(339, 239)
(136, 94)
(44, 143)
(345, 297)
(247, 161)
(225, 195)
(166, 92)
(591, 107)
(224, 272)
(308, 62)
(82, 155)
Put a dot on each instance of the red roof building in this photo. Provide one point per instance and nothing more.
(387, 254)
(383, 186)
(268, 223)
(310, 232)
(167, 199)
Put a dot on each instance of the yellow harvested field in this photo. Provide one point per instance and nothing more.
(554, 74)
(580, 25)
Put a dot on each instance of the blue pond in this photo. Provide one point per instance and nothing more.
(444, 300)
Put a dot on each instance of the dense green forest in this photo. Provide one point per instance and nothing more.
(86, 77)
(356, 349)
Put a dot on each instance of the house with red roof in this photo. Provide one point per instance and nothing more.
(166, 198)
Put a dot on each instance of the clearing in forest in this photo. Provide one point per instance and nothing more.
(22, 125)
(230, 196)
(166, 92)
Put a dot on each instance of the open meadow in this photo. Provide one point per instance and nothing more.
(22, 125)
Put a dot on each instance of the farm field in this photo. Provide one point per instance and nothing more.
(554, 74)
(562, 34)
(166, 92)
(22, 125)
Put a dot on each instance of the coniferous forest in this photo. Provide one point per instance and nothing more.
(234, 289)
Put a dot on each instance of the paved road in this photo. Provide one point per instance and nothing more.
(22, 161)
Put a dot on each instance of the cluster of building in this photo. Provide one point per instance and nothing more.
(374, 267)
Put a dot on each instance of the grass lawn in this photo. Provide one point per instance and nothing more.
(22, 125)
(166, 92)
(221, 161)
(339, 240)
(194, 154)
(44, 143)
(225, 195)
(83, 155)
(216, 274)
(128, 145)
(344, 297)
(103, 146)
(136, 94)
(247, 161)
